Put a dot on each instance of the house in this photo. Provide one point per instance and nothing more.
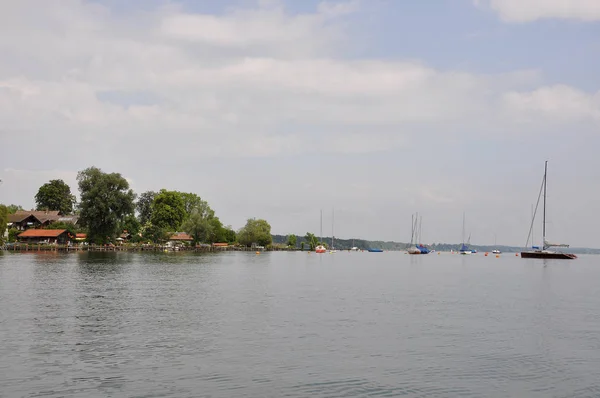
(45, 236)
(220, 245)
(181, 237)
(24, 219)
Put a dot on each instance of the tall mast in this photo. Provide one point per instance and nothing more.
(321, 225)
(421, 230)
(332, 219)
(463, 232)
(412, 229)
(532, 217)
(544, 222)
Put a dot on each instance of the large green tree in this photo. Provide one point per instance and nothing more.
(255, 231)
(199, 227)
(105, 199)
(192, 202)
(168, 211)
(144, 206)
(55, 195)
(3, 221)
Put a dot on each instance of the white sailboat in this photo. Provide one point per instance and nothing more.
(412, 249)
(320, 248)
(495, 251)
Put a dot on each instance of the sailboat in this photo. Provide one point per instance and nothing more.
(544, 252)
(464, 249)
(332, 250)
(495, 251)
(412, 249)
(422, 248)
(320, 248)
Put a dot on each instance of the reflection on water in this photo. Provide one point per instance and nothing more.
(297, 325)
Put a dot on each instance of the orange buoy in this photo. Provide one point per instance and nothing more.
(517, 254)
(257, 252)
(497, 256)
(486, 254)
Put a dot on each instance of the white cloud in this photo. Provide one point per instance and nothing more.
(532, 10)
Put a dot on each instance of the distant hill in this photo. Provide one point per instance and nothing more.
(346, 244)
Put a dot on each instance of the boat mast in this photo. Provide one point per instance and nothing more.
(463, 231)
(544, 221)
(412, 229)
(421, 230)
(332, 219)
(321, 226)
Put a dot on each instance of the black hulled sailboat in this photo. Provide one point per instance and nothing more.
(544, 252)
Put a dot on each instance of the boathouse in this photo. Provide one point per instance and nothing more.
(45, 236)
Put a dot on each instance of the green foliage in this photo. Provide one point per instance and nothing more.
(192, 202)
(12, 209)
(152, 233)
(12, 234)
(55, 195)
(3, 221)
(311, 240)
(292, 240)
(105, 200)
(229, 236)
(199, 227)
(70, 227)
(255, 231)
(302, 246)
(168, 211)
(130, 224)
(144, 206)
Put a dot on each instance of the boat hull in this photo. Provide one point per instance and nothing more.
(375, 251)
(549, 255)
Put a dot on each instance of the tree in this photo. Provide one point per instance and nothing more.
(105, 200)
(311, 241)
(292, 240)
(199, 227)
(12, 209)
(152, 233)
(70, 227)
(130, 224)
(255, 231)
(3, 221)
(192, 201)
(55, 195)
(144, 206)
(168, 211)
(230, 236)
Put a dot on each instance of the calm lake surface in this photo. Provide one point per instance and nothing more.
(298, 325)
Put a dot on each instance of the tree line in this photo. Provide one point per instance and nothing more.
(108, 207)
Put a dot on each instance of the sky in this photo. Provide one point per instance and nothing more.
(279, 109)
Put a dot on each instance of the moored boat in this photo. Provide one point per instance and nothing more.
(544, 253)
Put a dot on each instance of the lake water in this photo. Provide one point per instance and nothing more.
(298, 325)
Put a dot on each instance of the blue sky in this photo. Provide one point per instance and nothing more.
(276, 109)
